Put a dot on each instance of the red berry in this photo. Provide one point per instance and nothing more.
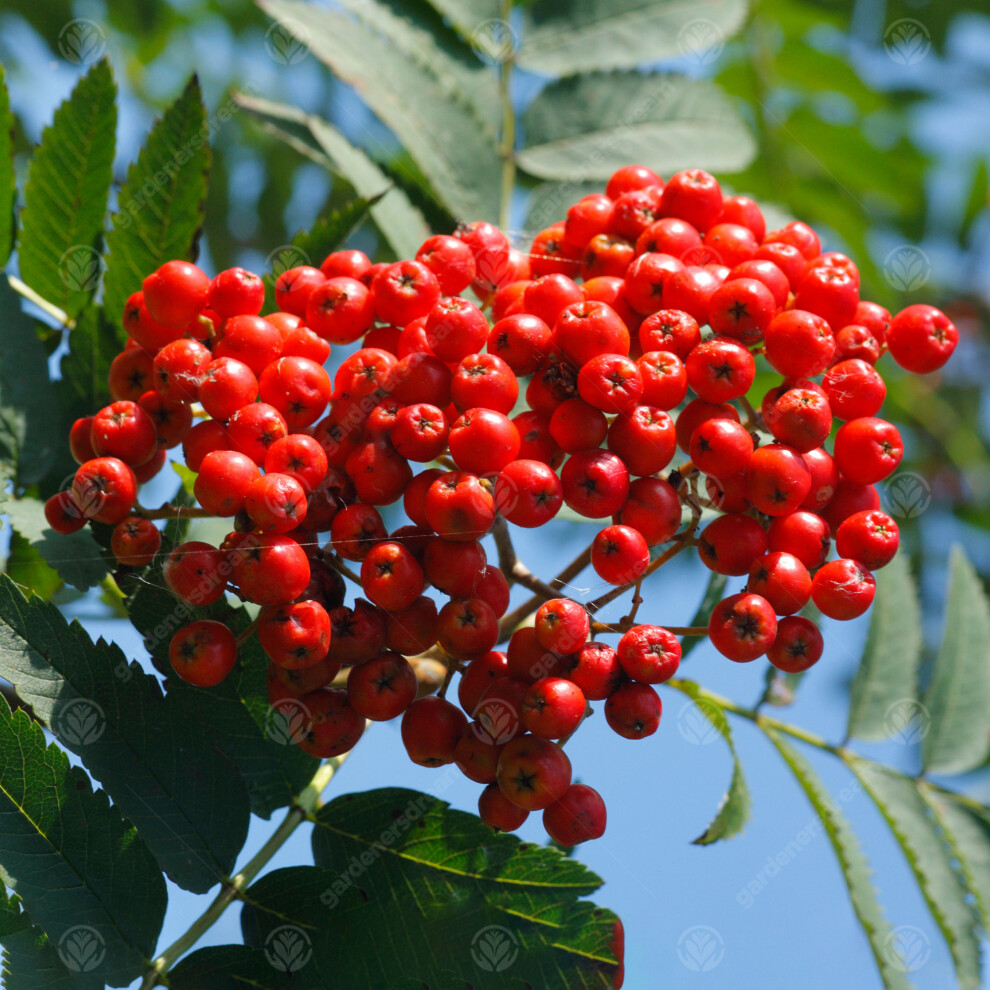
(203, 653)
(528, 493)
(619, 555)
(175, 293)
(921, 338)
(270, 569)
(742, 627)
(595, 483)
(870, 537)
(633, 711)
(553, 708)
(561, 626)
(533, 772)
(224, 480)
(720, 369)
(498, 812)
(799, 344)
(431, 728)
(649, 654)
(104, 489)
(382, 688)
(391, 576)
(331, 727)
(729, 544)
(843, 589)
(868, 449)
(296, 635)
(135, 541)
(782, 580)
(577, 816)
(797, 646)
(236, 292)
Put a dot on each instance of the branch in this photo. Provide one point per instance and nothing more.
(58, 315)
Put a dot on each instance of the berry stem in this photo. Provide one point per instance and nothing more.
(515, 571)
(507, 138)
(303, 807)
(59, 316)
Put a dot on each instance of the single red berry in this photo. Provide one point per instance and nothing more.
(533, 772)
(203, 653)
(236, 292)
(579, 815)
(596, 670)
(296, 635)
(799, 344)
(670, 330)
(553, 708)
(528, 493)
(331, 726)
(742, 627)
(797, 646)
(270, 569)
(294, 287)
(868, 449)
(391, 576)
(135, 541)
(175, 293)
(843, 589)
(649, 654)
(619, 555)
(870, 537)
(196, 573)
(404, 291)
(104, 489)
(63, 515)
(595, 483)
(692, 195)
(729, 544)
(782, 580)
(561, 626)
(653, 508)
(633, 711)
(383, 688)
(431, 728)
(777, 479)
(250, 339)
(483, 441)
(125, 431)
(720, 369)
(498, 812)
(458, 508)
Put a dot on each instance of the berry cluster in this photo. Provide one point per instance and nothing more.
(603, 321)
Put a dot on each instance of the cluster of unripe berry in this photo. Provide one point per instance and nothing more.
(603, 321)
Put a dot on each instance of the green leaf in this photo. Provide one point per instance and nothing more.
(27, 569)
(978, 200)
(399, 222)
(82, 871)
(734, 809)
(855, 869)
(443, 135)
(330, 231)
(75, 556)
(713, 595)
(470, 17)
(560, 39)
(29, 420)
(234, 716)
(8, 179)
(227, 967)
(585, 127)
(93, 344)
(147, 750)
(914, 828)
(958, 699)
(65, 199)
(885, 688)
(30, 962)
(160, 207)
(439, 882)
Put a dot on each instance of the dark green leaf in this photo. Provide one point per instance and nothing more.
(329, 232)
(147, 750)
(582, 35)
(978, 200)
(443, 135)
(27, 568)
(585, 127)
(81, 870)
(227, 967)
(884, 692)
(455, 898)
(8, 180)
(29, 420)
(713, 595)
(914, 827)
(93, 344)
(734, 809)
(400, 223)
(30, 962)
(958, 699)
(75, 556)
(65, 199)
(160, 207)
(855, 869)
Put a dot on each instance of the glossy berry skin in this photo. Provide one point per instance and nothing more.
(799, 344)
(721, 447)
(868, 450)
(135, 541)
(645, 439)
(561, 626)
(645, 279)
(483, 441)
(742, 627)
(391, 576)
(664, 379)
(691, 290)
(498, 812)
(610, 382)
(104, 489)
(236, 292)
(849, 497)
(404, 291)
(766, 272)
(340, 310)
(730, 543)
(484, 380)
(250, 339)
(467, 628)
(578, 816)
(633, 711)
(455, 328)
(270, 569)
(553, 708)
(225, 478)
(294, 287)
(824, 479)
(383, 688)
(595, 483)
(353, 264)
(125, 431)
(533, 772)
(175, 293)
(196, 573)
(649, 654)
(254, 428)
(696, 412)
(522, 341)
(227, 384)
(619, 554)
(802, 534)
(478, 677)
(720, 369)
(797, 646)
(742, 308)
(300, 457)
(130, 374)
(63, 515)
(669, 330)
(921, 338)
(854, 389)
(777, 479)
(276, 503)
(870, 537)
(576, 425)
(298, 388)
(843, 589)
(203, 653)
(584, 330)
(653, 508)
(782, 580)
(692, 195)
(332, 727)
(528, 493)
(431, 728)
(295, 636)
(458, 508)
(450, 260)
(801, 418)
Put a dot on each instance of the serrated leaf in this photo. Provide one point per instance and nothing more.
(65, 198)
(712, 596)
(330, 231)
(160, 206)
(94, 342)
(82, 871)
(398, 220)
(457, 900)
(29, 420)
(442, 134)
(30, 962)
(8, 179)
(734, 808)
(928, 855)
(958, 699)
(855, 869)
(75, 556)
(583, 35)
(469, 16)
(147, 750)
(234, 716)
(585, 127)
(885, 688)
